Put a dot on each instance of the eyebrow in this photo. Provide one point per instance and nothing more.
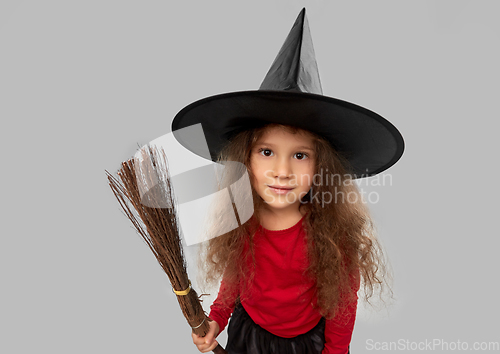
(301, 147)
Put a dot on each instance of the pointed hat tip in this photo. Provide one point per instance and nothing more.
(302, 15)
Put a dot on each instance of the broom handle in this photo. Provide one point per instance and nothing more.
(219, 350)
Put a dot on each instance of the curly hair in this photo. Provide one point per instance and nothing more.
(343, 250)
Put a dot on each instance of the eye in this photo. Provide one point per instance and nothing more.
(266, 152)
(301, 156)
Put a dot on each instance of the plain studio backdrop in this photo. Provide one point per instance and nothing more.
(84, 83)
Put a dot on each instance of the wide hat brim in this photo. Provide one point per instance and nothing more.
(370, 143)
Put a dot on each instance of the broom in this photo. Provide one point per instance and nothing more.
(146, 196)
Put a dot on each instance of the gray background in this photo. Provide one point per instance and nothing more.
(82, 83)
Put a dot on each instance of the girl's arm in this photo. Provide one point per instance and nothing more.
(221, 309)
(338, 331)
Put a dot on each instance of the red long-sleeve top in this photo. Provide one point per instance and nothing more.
(281, 297)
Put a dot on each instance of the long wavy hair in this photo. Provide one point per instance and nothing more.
(343, 250)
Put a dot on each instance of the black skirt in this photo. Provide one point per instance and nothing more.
(247, 337)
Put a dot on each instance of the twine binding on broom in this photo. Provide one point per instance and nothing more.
(199, 324)
(183, 292)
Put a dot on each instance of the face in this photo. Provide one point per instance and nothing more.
(283, 167)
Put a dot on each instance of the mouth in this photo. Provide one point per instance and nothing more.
(280, 189)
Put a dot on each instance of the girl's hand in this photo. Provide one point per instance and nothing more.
(207, 343)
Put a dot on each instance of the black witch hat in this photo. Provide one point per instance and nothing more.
(291, 94)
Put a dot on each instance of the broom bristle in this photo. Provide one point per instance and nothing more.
(146, 196)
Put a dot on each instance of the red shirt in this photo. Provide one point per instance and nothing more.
(281, 297)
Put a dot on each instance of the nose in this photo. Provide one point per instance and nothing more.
(282, 168)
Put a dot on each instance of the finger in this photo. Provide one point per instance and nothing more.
(211, 347)
(203, 347)
(198, 340)
(209, 338)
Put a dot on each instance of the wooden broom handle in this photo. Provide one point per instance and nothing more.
(219, 350)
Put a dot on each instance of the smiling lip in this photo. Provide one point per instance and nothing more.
(280, 190)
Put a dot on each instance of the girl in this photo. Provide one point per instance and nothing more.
(291, 273)
(298, 261)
